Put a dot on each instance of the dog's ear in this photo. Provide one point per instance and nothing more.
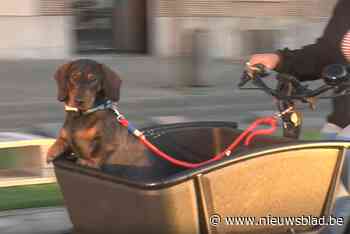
(61, 78)
(111, 84)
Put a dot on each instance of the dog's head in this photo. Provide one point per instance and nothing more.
(82, 82)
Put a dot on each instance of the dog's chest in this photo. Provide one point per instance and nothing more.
(84, 134)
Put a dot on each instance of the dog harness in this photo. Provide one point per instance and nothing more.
(248, 135)
(104, 106)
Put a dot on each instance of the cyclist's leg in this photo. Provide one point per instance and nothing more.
(333, 132)
(345, 135)
(330, 131)
(341, 212)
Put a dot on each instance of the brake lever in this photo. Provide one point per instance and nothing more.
(245, 78)
(342, 93)
(252, 72)
(259, 83)
(299, 89)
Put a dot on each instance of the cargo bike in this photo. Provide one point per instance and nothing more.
(271, 178)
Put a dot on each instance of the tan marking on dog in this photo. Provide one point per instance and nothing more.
(63, 133)
(87, 133)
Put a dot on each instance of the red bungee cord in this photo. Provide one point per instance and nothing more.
(248, 135)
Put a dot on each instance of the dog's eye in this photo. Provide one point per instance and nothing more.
(91, 77)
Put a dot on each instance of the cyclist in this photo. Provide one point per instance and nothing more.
(308, 62)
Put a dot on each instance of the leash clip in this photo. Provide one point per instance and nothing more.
(114, 107)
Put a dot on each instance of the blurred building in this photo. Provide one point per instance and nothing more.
(235, 28)
(34, 28)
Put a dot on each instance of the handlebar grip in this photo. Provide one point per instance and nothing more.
(244, 79)
(262, 70)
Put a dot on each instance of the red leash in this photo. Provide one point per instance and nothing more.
(248, 135)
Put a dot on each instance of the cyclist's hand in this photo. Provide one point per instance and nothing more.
(269, 60)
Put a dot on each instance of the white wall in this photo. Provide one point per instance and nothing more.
(27, 34)
(226, 39)
(19, 7)
(164, 38)
(35, 37)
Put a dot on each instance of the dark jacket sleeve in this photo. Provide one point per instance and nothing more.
(307, 63)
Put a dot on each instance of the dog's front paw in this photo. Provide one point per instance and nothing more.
(56, 150)
(50, 156)
(88, 163)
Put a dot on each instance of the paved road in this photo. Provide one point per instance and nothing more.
(56, 220)
(152, 91)
(35, 221)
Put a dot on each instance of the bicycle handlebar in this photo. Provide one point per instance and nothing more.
(335, 77)
(289, 89)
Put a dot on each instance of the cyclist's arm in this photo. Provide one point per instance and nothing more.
(307, 63)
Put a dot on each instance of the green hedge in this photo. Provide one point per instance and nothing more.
(32, 196)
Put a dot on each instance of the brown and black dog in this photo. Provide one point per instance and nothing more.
(96, 138)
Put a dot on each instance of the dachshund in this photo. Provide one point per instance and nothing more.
(96, 138)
